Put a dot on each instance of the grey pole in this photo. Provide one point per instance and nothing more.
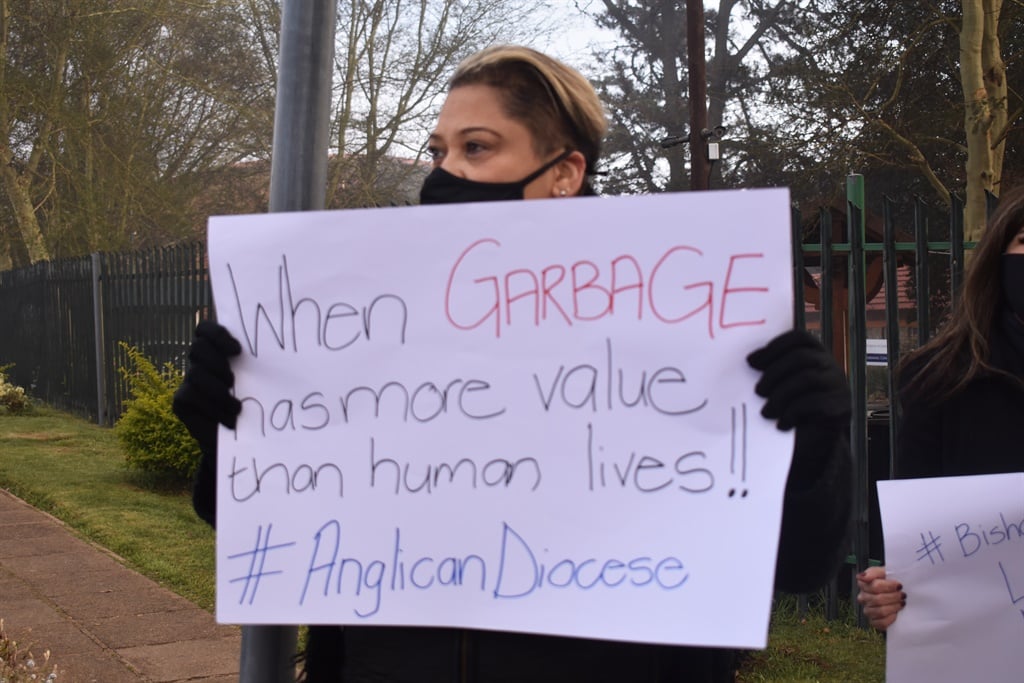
(298, 178)
(298, 169)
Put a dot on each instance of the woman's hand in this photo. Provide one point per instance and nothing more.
(800, 381)
(881, 598)
(203, 401)
(204, 398)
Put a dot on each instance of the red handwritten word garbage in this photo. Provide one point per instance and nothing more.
(665, 288)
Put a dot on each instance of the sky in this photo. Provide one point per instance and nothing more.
(573, 43)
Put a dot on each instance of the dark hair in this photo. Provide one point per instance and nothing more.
(956, 355)
(555, 102)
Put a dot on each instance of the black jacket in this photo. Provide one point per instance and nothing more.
(976, 431)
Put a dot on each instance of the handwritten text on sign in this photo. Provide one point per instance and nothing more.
(957, 546)
(531, 416)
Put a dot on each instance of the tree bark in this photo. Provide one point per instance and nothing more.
(994, 75)
(978, 16)
(27, 241)
(697, 75)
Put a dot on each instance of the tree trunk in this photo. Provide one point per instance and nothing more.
(994, 75)
(978, 110)
(697, 77)
(720, 71)
(28, 238)
(673, 33)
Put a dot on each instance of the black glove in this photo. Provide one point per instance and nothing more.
(805, 388)
(204, 397)
(801, 381)
(203, 400)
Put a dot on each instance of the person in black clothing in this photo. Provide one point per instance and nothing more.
(519, 124)
(962, 394)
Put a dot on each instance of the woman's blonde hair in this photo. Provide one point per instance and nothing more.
(555, 102)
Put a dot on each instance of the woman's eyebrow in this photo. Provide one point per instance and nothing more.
(479, 129)
(434, 137)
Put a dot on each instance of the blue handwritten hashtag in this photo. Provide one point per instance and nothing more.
(929, 546)
(257, 561)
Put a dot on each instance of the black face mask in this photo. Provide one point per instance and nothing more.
(1013, 282)
(441, 187)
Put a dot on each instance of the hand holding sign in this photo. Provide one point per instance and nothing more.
(957, 545)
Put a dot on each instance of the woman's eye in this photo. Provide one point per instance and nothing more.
(435, 153)
(474, 148)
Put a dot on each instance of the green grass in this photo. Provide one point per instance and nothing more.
(76, 472)
(811, 649)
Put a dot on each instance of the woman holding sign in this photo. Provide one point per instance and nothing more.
(962, 393)
(520, 125)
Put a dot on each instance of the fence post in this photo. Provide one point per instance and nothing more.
(796, 228)
(892, 326)
(921, 283)
(298, 179)
(956, 246)
(825, 286)
(856, 355)
(97, 321)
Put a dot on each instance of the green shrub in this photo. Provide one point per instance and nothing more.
(12, 398)
(154, 440)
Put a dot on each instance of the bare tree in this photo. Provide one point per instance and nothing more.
(125, 123)
(24, 134)
(111, 112)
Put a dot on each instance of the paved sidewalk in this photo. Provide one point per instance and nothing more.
(102, 622)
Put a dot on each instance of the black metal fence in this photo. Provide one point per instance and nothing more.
(875, 285)
(881, 279)
(63, 322)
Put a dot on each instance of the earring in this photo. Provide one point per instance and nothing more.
(562, 193)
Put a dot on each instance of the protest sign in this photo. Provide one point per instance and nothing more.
(528, 416)
(957, 546)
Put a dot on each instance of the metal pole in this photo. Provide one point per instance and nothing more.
(298, 170)
(298, 178)
(697, 67)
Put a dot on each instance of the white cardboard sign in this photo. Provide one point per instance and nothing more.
(957, 546)
(531, 416)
